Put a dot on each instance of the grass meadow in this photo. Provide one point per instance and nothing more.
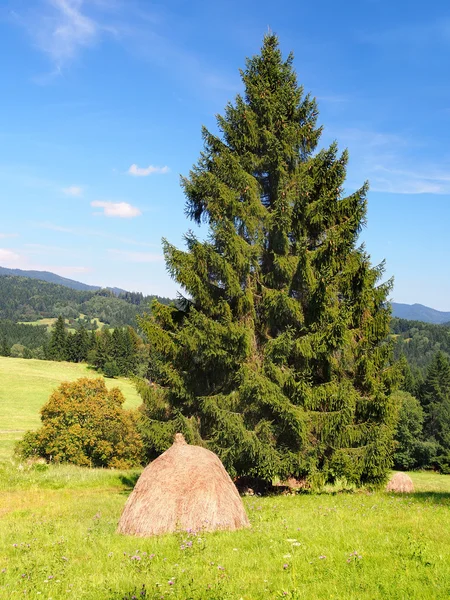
(58, 540)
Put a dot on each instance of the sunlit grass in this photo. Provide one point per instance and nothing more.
(57, 527)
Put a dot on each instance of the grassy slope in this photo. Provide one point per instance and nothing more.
(25, 386)
(58, 540)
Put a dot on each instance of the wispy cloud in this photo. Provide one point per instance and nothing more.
(137, 257)
(8, 257)
(81, 231)
(68, 270)
(122, 210)
(8, 235)
(392, 163)
(11, 259)
(145, 171)
(62, 29)
(73, 190)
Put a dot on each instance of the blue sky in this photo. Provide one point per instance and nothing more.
(103, 102)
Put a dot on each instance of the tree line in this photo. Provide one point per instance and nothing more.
(120, 351)
(423, 430)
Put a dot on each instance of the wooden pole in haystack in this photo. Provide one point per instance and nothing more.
(186, 488)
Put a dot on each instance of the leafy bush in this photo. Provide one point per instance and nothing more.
(84, 424)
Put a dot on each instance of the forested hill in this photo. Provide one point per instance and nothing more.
(419, 341)
(54, 278)
(25, 299)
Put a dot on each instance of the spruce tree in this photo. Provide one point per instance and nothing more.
(276, 357)
(57, 347)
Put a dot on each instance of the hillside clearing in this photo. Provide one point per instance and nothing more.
(26, 384)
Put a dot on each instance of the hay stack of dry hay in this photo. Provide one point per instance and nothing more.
(400, 482)
(186, 488)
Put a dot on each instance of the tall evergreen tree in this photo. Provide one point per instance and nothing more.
(276, 358)
(57, 346)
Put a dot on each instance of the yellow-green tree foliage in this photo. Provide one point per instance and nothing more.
(83, 423)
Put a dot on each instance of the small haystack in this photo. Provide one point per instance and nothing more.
(400, 482)
(186, 488)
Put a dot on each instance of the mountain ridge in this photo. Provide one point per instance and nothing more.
(419, 312)
(410, 312)
(58, 279)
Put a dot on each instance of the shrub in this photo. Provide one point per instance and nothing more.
(83, 423)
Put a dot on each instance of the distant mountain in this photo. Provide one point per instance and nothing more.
(53, 278)
(419, 312)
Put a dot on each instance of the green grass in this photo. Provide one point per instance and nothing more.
(57, 528)
(25, 385)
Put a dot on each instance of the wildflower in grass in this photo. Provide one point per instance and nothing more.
(171, 582)
(291, 540)
(322, 557)
(296, 544)
(220, 568)
(285, 566)
(64, 558)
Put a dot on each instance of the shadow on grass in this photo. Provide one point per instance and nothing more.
(426, 497)
(129, 481)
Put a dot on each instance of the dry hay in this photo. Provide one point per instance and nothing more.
(186, 488)
(400, 482)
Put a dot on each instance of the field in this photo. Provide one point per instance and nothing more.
(57, 528)
(50, 321)
(58, 540)
(25, 386)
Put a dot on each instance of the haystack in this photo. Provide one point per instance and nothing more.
(186, 488)
(400, 482)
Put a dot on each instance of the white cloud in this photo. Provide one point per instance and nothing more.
(145, 171)
(73, 190)
(122, 210)
(8, 257)
(7, 235)
(138, 257)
